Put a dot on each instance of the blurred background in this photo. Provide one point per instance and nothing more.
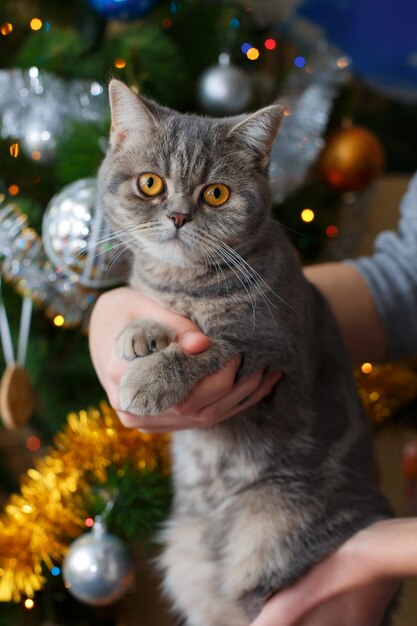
(346, 72)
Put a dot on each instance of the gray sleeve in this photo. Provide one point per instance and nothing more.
(391, 276)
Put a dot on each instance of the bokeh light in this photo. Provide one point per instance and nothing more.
(252, 54)
(35, 23)
(299, 62)
(307, 215)
(245, 47)
(13, 190)
(270, 44)
(33, 443)
(6, 28)
(14, 150)
(332, 231)
(120, 63)
(366, 368)
(59, 320)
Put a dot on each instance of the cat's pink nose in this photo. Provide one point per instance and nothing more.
(179, 219)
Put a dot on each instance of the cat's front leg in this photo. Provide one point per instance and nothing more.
(160, 373)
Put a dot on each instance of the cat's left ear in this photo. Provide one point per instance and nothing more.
(258, 130)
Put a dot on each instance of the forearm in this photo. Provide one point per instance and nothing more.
(353, 306)
(387, 549)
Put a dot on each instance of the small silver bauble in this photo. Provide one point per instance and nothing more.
(78, 241)
(224, 89)
(98, 569)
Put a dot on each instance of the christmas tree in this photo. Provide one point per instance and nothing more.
(345, 119)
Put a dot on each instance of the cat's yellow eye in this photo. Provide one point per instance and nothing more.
(216, 195)
(151, 184)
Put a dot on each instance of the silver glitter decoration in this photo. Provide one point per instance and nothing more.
(224, 89)
(35, 105)
(308, 97)
(78, 241)
(98, 569)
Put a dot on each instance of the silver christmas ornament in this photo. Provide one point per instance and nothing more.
(78, 241)
(98, 569)
(224, 89)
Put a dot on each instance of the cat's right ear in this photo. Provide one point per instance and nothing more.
(130, 117)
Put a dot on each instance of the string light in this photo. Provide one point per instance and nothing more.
(366, 368)
(332, 231)
(29, 604)
(252, 54)
(35, 23)
(89, 522)
(6, 28)
(307, 215)
(245, 47)
(120, 63)
(13, 190)
(270, 44)
(299, 62)
(55, 571)
(36, 155)
(14, 150)
(33, 443)
(59, 320)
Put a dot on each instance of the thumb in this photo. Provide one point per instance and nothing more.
(193, 340)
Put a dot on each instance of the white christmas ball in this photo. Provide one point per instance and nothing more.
(224, 90)
(77, 239)
(98, 569)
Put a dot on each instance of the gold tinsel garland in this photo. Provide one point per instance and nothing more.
(38, 524)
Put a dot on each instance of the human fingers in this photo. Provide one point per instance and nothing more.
(182, 416)
(241, 396)
(244, 394)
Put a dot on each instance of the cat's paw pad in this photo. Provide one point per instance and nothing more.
(142, 338)
(148, 387)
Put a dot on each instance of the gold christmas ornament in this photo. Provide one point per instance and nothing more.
(352, 159)
(38, 524)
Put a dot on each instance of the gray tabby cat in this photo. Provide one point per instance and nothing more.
(262, 496)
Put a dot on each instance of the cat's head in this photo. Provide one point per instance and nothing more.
(182, 187)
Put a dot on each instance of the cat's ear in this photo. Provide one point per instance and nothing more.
(258, 130)
(129, 115)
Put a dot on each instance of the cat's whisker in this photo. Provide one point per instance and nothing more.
(251, 295)
(254, 273)
(215, 264)
(249, 277)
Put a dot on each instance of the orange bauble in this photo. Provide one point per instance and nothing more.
(351, 159)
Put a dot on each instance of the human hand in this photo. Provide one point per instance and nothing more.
(351, 587)
(214, 398)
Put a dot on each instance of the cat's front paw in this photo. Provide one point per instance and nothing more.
(142, 338)
(151, 385)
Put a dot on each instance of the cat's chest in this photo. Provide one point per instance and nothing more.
(207, 468)
(207, 313)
